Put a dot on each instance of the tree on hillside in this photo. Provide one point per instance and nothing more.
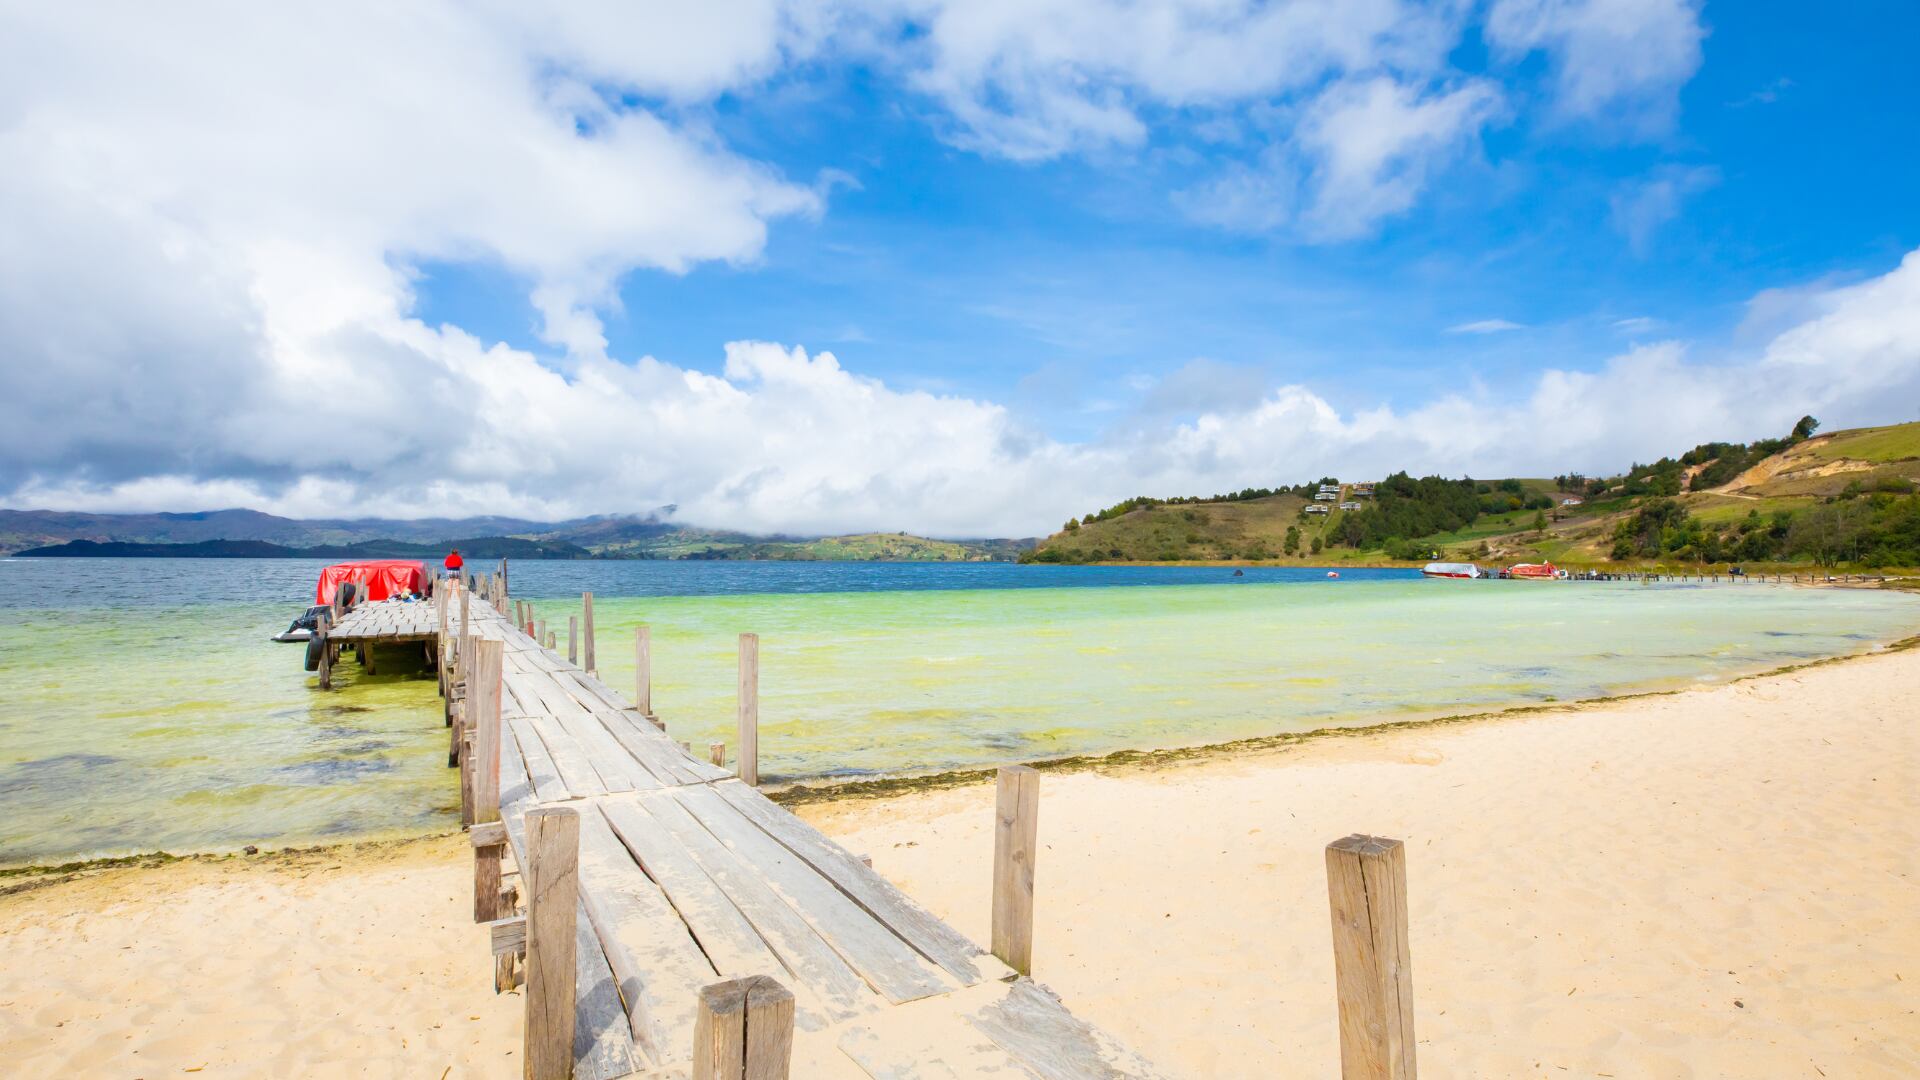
(1805, 428)
(1539, 521)
(1292, 543)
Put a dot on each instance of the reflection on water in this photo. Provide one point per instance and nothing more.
(144, 708)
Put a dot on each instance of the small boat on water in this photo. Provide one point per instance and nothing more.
(1452, 570)
(1534, 572)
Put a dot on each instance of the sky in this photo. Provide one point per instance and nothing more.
(957, 267)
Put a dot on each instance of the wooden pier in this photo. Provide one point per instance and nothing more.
(665, 919)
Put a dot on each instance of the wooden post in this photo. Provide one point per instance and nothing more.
(540, 632)
(466, 631)
(643, 670)
(483, 710)
(325, 624)
(1373, 973)
(489, 841)
(743, 1028)
(586, 602)
(553, 891)
(749, 760)
(717, 753)
(1016, 826)
(573, 639)
(503, 577)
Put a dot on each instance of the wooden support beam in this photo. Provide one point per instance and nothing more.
(743, 1029)
(509, 935)
(553, 893)
(643, 670)
(1373, 973)
(717, 753)
(749, 709)
(324, 625)
(488, 834)
(483, 715)
(586, 603)
(573, 639)
(1016, 827)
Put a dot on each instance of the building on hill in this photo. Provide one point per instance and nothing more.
(1329, 488)
(1349, 506)
(1323, 495)
(1573, 502)
(1362, 491)
(1319, 509)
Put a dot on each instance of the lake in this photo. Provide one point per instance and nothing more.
(144, 708)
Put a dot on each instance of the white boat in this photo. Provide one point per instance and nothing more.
(1452, 570)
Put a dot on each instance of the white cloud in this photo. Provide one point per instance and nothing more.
(1642, 206)
(784, 440)
(1485, 326)
(1361, 153)
(1617, 63)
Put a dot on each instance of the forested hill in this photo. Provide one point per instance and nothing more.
(1845, 498)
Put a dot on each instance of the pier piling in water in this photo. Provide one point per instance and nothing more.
(749, 709)
(586, 602)
(643, 670)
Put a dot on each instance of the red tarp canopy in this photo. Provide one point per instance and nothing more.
(377, 579)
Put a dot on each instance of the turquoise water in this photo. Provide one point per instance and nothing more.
(167, 720)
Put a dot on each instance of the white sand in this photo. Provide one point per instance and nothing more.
(1716, 883)
(353, 962)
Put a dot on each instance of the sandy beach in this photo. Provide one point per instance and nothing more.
(1716, 882)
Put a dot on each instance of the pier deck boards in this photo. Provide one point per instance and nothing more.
(688, 877)
(387, 620)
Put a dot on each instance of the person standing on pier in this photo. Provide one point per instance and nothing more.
(454, 563)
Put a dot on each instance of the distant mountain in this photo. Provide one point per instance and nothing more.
(483, 547)
(226, 534)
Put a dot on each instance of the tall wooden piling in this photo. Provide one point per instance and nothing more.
(573, 639)
(586, 603)
(1016, 826)
(553, 893)
(743, 1028)
(483, 714)
(749, 708)
(321, 629)
(1373, 971)
(643, 670)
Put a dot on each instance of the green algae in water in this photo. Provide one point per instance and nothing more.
(180, 727)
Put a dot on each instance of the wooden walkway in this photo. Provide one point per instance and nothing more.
(688, 877)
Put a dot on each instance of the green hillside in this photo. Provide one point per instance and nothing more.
(1841, 499)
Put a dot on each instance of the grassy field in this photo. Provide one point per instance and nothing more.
(1881, 445)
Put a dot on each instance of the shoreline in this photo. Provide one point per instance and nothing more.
(1710, 881)
(815, 792)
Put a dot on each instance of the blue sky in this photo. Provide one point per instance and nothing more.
(962, 268)
(1049, 285)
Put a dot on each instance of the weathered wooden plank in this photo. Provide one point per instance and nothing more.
(888, 964)
(895, 1046)
(651, 748)
(545, 777)
(582, 779)
(1037, 1030)
(616, 768)
(812, 961)
(659, 967)
(932, 938)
